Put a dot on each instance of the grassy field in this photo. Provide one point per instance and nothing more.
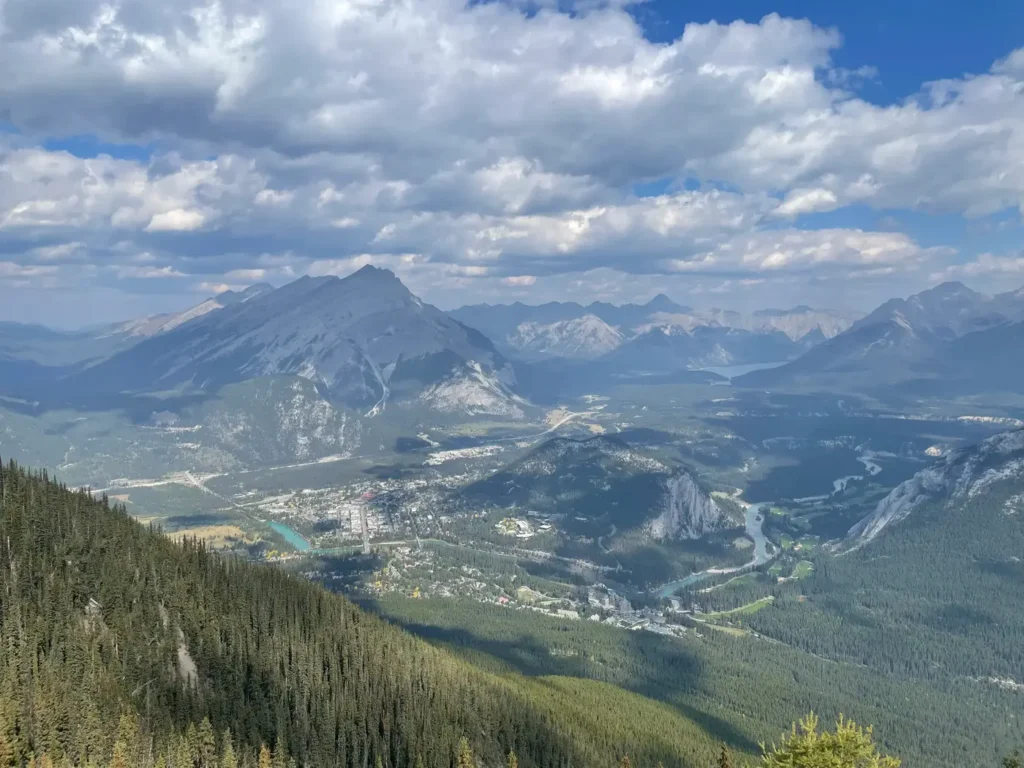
(743, 610)
(802, 570)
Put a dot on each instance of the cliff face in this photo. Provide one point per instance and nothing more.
(688, 512)
(961, 474)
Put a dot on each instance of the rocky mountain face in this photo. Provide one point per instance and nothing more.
(949, 340)
(960, 475)
(672, 347)
(51, 347)
(501, 322)
(947, 311)
(584, 337)
(363, 341)
(711, 337)
(797, 324)
(602, 484)
(156, 324)
(687, 512)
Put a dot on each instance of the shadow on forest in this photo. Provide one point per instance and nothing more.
(651, 666)
(177, 522)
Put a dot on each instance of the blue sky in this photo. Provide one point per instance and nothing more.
(730, 153)
(909, 42)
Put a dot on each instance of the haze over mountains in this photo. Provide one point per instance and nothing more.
(365, 340)
(948, 339)
(567, 329)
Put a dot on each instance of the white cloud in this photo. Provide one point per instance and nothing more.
(773, 250)
(146, 273)
(475, 144)
(247, 274)
(177, 220)
(214, 288)
(984, 265)
(801, 201)
(9, 269)
(59, 252)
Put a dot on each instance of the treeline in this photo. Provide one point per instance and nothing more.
(123, 648)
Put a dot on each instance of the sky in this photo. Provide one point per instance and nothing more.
(730, 153)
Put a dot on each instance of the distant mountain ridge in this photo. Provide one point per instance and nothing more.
(703, 337)
(948, 339)
(499, 321)
(584, 337)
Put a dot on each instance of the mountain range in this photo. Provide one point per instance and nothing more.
(365, 341)
(947, 340)
(699, 337)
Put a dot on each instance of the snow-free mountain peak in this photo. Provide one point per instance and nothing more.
(584, 337)
(364, 340)
(948, 338)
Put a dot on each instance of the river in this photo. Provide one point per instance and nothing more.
(290, 536)
(754, 520)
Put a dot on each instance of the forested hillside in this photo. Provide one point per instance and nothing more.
(122, 648)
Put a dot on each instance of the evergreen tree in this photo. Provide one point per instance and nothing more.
(513, 761)
(725, 758)
(207, 745)
(465, 755)
(228, 758)
(851, 746)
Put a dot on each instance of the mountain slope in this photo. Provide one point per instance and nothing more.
(930, 588)
(669, 348)
(883, 352)
(580, 338)
(962, 475)
(55, 348)
(501, 321)
(362, 340)
(602, 483)
(101, 617)
(155, 324)
(945, 340)
(552, 329)
(947, 311)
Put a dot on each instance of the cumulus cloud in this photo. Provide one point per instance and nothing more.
(9, 269)
(481, 144)
(853, 250)
(984, 265)
(145, 273)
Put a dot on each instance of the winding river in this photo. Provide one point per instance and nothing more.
(755, 514)
(754, 518)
